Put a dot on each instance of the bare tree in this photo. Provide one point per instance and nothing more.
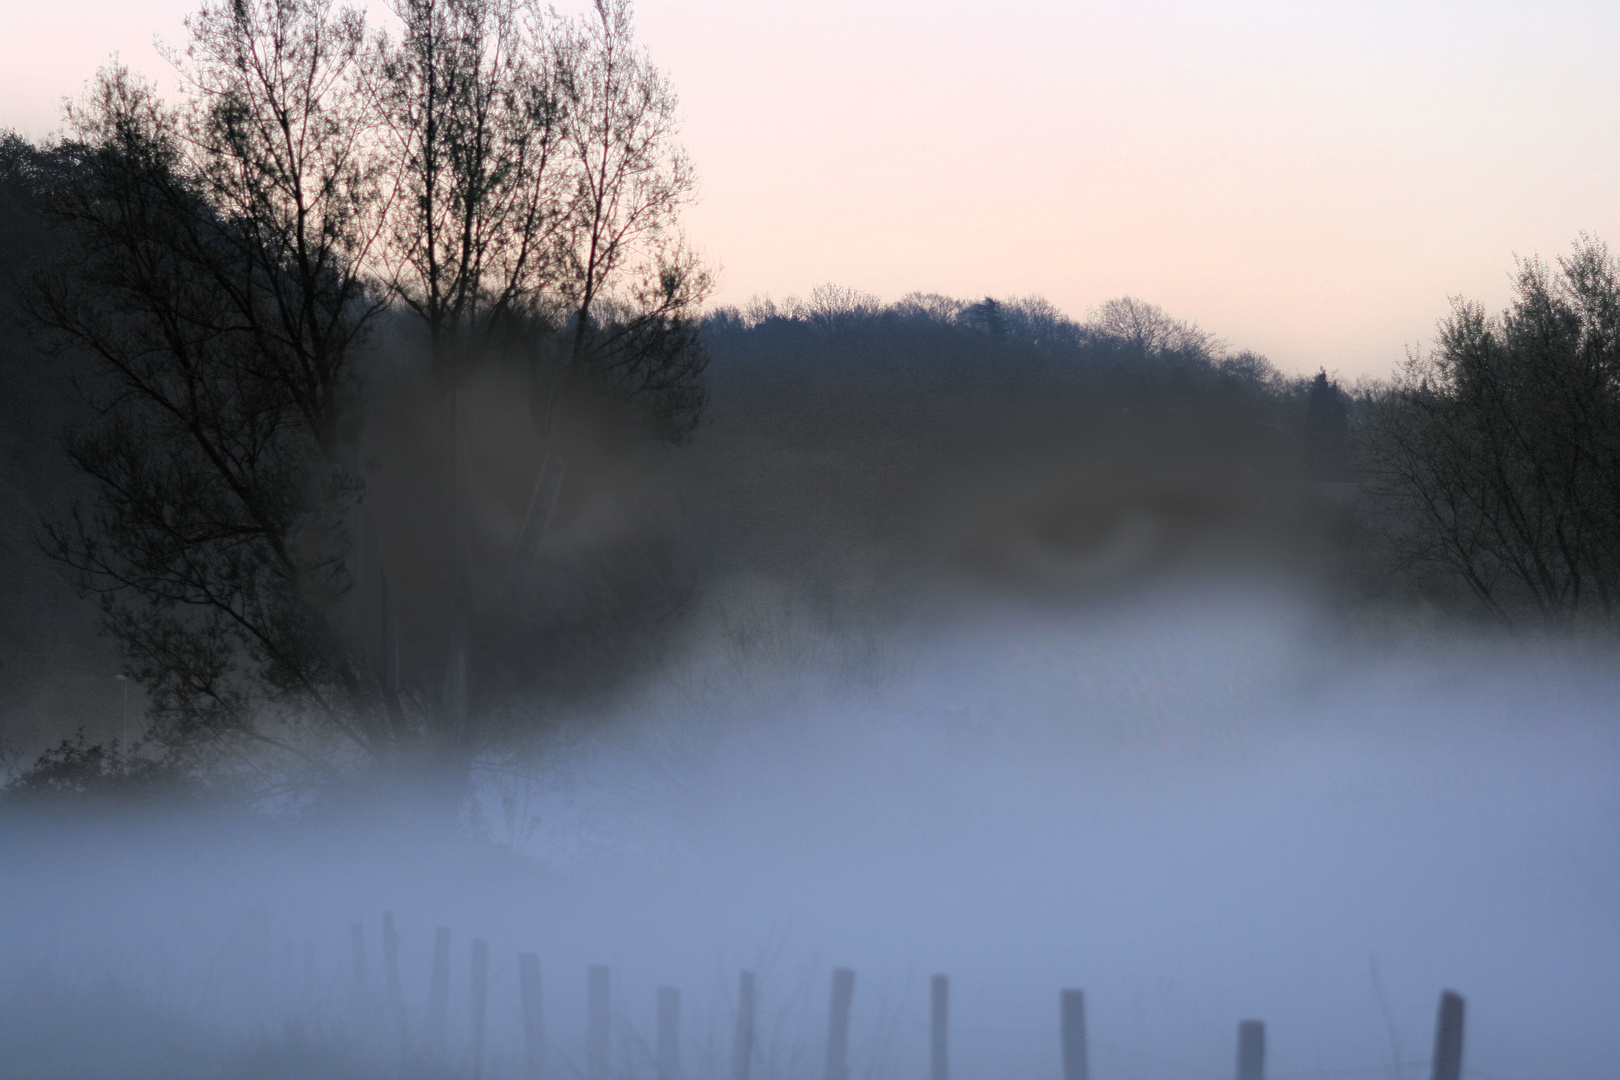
(538, 190)
(832, 306)
(631, 285)
(1148, 331)
(536, 220)
(470, 103)
(1498, 451)
(511, 180)
(211, 275)
(275, 141)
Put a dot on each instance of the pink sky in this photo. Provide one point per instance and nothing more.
(1309, 180)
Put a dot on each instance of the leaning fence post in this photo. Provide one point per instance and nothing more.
(1251, 1054)
(1072, 1016)
(669, 1033)
(596, 1026)
(742, 1045)
(1448, 1037)
(480, 998)
(534, 1047)
(843, 992)
(439, 993)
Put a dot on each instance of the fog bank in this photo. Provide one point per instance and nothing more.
(1199, 804)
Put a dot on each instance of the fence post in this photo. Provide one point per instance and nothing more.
(1072, 1018)
(534, 1047)
(669, 1033)
(843, 992)
(742, 1045)
(1448, 1037)
(396, 996)
(938, 1026)
(596, 1025)
(1251, 1054)
(439, 994)
(480, 999)
(360, 999)
(357, 943)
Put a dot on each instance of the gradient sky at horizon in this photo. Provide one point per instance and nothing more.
(1311, 181)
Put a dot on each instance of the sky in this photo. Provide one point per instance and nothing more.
(1311, 181)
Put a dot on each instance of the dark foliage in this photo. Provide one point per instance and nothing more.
(510, 187)
(1497, 453)
(76, 770)
(32, 171)
(911, 447)
(1328, 451)
(222, 376)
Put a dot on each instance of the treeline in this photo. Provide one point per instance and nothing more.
(1000, 443)
(1481, 480)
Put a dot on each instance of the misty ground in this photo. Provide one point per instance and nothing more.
(1198, 802)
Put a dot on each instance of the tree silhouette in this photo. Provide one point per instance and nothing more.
(1327, 432)
(1498, 451)
(495, 189)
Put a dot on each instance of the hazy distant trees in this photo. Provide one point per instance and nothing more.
(1497, 452)
(507, 178)
(933, 356)
(916, 446)
(1147, 330)
(1328, 449)
(1133, 332)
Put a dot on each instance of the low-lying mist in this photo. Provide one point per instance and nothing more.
(1197, 800)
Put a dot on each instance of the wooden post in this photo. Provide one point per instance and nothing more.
(843, 992)
(308, 1010)
(480, 999)
(534, 1046)
(596, 1025)
(396, 996)
(357, 949)
(938, 1027)
(439, 994)
(1072, 1019)
(742, 1045)
(1251, 1058)
(357, 939)
(1448, 1037)
(669, 1033)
